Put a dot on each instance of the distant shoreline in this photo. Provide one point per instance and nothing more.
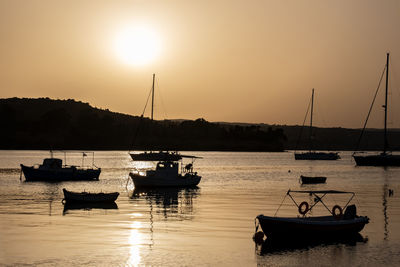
(44, 124)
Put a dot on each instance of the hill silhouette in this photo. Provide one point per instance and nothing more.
(44, 123)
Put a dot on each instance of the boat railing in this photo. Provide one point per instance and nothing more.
(304, 207)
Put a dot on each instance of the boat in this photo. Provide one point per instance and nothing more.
(312, 179)
(385, 158)
(167, 173)
(311, 154)
(152, 155)
(53, 170)
(86, 197)
(337, 224)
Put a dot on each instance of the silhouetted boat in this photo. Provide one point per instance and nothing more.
(312, 179)
(168, 173)
(297, 228)
(52, 169)
(156, 156)
(313, 155)
(86, 197)
(385, 158)
(169, 170)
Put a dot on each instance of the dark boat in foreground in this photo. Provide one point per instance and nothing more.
(297, 228)
(385, 158)
(53, 170)
(312, 179)
(86, 197)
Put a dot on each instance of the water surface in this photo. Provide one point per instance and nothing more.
(209, 225)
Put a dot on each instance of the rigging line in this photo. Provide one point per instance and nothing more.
(302, 127)
(147, 101)
(162, 100)
(280, 205)
(140, 122)
(370, 108)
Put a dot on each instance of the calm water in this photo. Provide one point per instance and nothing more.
(211, 225)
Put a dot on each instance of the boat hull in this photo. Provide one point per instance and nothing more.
(316, 156)
(312, 180)
(188, 180)
(59, 174)
(84, 197)
(377, 160)
(310, 228)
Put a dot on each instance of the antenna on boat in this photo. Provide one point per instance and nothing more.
(311, 117)
(385, 146)
(152, 97)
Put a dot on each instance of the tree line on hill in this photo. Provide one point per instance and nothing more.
(68, 124)
(44, 123)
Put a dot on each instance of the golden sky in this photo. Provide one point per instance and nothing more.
(235, 60)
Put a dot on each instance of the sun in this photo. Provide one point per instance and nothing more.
(137, 45)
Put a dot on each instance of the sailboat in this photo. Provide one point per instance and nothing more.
(313, 155)
(385, 158)
(170, 170)
(155, 155)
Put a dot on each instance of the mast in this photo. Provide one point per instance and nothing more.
(385, 144)
(312, 108)
(152, 97)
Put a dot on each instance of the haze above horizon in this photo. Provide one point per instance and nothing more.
(232, 61)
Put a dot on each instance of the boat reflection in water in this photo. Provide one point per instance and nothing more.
(171, 201)
(270, 246)
(88, 206)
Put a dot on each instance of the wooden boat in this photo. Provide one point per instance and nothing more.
(313, 155)
(385, 158)
(298, 228)
(312, 179)
(86, 197)
(53, 170)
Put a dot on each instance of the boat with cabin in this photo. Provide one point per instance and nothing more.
(312, 154)
(305, 227)
(385, 158)
(171, 172)
(53, 170)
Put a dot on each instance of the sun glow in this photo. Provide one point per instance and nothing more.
(137, 45)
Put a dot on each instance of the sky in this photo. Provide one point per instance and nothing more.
(222, 60)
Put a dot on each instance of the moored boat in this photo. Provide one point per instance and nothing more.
(311, 154)
(53, 170)
(385, 158)
(170, 173)
(86, 197)
(312, 179)
(335, 225)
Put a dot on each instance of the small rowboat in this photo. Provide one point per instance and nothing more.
(86, 197)
(312, 179)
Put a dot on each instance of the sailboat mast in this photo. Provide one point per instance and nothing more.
(385, 146)
(152, 97)
(311, 117)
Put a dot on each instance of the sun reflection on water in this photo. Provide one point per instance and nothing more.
(135, 241)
